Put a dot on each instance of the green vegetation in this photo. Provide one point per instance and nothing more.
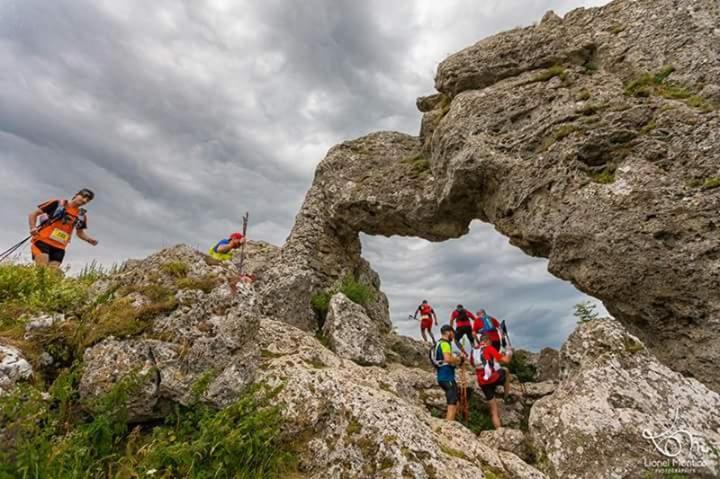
(479, 415)
(582, 95)
(353, 427)
(453, 452)
(711, 183)
(550, 73)
(617, 28)
(520, 367)
(632, 346)
(55, 438)
(204, 283)
(27, 290)
(356, 291)
(177, 269)
(604, 176)
(419, 163)
(658, 84)
(585, 312)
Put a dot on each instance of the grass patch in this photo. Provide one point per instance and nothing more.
(479, 416)
(53, 437)
(632, 346)
(419, 163)
(520, 366)
(617, 28)
(355, 290)
(550, 73)
(711, 183)
(353, 427)
(582, 95)
(604, 176)
(176, 269)
(203, 283)
(658, 84)
(453, 452)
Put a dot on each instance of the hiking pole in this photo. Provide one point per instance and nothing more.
(8, 252)
(503, 327)
(462, 383)
(242, 248)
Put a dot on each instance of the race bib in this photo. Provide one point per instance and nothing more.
(60, 236)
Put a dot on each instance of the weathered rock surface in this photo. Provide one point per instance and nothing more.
(367, 422)
(13, 367)
(352, 334)
(209, 334)
(511, 440)
(572, 138)
(613, 399)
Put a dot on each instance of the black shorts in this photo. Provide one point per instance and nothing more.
(461, 331)
(489, 389)
(54, 254)
(451, 391)
(496, 345)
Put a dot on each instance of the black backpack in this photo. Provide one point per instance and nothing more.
(462, 315)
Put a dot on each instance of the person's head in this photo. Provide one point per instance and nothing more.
(447, 332)
(481, 312)
(424, 301)
(236, 240)
(459, 307)
(82, 197)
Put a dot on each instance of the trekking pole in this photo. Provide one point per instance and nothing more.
(462, 384)
(8, 252)
(242, 248)
(503, 326)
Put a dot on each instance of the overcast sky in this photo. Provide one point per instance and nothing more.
(182, 115)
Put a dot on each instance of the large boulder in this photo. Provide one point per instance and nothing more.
(13, 367)
(367, 422)
(208, 336)
(352, 334)
(616, 400)
(591, 140)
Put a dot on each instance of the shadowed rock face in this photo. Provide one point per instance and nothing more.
(574, 138)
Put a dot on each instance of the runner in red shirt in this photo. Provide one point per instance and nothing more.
(480, 327)
(427, 315)
(486, 360)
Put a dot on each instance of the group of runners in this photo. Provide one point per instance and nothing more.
(52, 224)
(478, 337)
(479, 340)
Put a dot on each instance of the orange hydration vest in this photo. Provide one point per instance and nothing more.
(58, 231)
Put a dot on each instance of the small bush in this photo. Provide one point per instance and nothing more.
(479, 415)
(204, 283)
(585, 312)
(320, 303)
(658, 84)
(356, 291)
(53, 438)
(177, 269)
(419, 163)
(520, 367)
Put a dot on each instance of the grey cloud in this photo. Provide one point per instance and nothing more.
(183, 115)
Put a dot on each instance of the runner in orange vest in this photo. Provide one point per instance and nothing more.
(427, 315)
(59, 219)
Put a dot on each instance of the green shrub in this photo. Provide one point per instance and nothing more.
(605, 176)
(479, 415)
(53, 438)
(356, 291)
(520, 367)
(711, 183)
(658, 84)
(585, 312)
(177, 269)
(204, 283)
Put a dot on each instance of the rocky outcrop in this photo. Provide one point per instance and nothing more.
(13, 367)
(351, 333)
(617, 401)
(591, 140)
(368, 422)
(209, 336)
